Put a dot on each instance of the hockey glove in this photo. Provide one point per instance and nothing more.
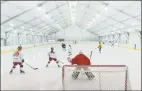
(23, 61)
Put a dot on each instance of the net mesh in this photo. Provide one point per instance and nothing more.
(106, 77)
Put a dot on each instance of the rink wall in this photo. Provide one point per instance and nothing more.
(6, 49)
(128, 46)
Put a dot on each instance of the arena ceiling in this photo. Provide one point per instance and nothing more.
(49, 17)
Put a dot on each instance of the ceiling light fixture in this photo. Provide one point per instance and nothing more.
(106, 8)
(98, 15)
(122, 26)
(48, 16)
(30, 29)
(24, 33)
(32, 33)
(133, 24)
(15, 31)
(11, 24)
(22, 27)
(41, 9)
(113, 28)
(129, 29)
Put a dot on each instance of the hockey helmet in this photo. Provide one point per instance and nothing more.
(81, 52)
(19, 48)
(52, 48)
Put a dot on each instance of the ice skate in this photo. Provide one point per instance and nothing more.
(46, 65)
(90, 75)
(75, 75)
(21, 71)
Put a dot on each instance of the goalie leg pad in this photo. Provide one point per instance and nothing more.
(75, 75)
(89, 75)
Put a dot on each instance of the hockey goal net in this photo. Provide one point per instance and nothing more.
(106, 77)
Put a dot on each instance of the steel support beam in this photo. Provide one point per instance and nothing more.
(80, 22)
(127, 35)
(119, 38)
(108, 39)
(15, 16)
(113, 38)
(100, 37)
(61, 14)
(33, 39)
(18, 36)
(26, 38)
(5, 39)
(139, 33)
(23, 12)
(126, 13)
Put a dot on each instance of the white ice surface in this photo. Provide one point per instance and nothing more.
(51, 78)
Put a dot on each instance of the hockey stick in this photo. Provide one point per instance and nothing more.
(31, 66)
(60, 61)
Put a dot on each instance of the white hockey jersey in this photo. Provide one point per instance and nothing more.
(69, 50)
(52, 54)
(17, 57)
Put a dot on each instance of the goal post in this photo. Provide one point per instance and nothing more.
(106, 77)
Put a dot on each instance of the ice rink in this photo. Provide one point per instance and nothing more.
(114, 26)
(51, 78)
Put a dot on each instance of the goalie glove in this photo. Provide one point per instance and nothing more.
(69, 59)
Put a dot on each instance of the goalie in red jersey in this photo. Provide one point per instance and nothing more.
(81, 60)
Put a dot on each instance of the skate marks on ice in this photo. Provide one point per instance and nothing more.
(19, 82)
(108, 56)
(45, 79)
(50, 78)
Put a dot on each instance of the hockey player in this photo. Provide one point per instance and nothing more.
(79, 60)
(52, 56)
(18, 60)
(64, 46)
(74, 42)
(100, 47)
(69, 51)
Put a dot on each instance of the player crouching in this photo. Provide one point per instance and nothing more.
(52, 56)
(18, 60)
(81, 60)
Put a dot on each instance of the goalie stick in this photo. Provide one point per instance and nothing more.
(31, 66)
